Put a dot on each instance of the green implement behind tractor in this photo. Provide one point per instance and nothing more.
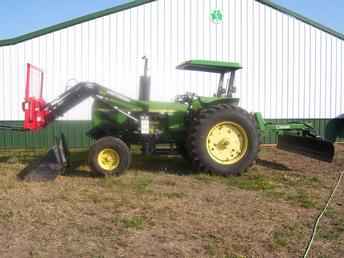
(213, 133)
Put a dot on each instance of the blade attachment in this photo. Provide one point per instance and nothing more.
(50, 166)
(308, 146)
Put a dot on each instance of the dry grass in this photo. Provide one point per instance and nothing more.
(161, 209)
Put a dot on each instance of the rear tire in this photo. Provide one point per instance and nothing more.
(109, 156)
(224, 140)
(183, 151)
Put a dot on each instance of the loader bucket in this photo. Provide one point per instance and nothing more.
(50, 166)
(311, 147)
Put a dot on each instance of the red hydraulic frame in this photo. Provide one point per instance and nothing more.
(34, 106)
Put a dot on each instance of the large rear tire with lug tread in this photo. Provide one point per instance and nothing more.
(223, 140)
(183, 151)
(109, 156)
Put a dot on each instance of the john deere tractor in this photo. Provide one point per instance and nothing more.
(213, 133)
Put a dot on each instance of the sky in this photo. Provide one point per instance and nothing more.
(20, 17)
(327, 12)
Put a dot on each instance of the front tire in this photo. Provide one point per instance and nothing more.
(109, 156)
(223, 140)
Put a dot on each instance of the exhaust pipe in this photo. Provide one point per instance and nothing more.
(145, 83)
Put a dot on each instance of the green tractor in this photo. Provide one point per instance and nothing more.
(213, 133)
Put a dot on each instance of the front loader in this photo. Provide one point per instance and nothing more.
(212, 132)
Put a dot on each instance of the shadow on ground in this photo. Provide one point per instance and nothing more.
(155, 164)
(272, 165)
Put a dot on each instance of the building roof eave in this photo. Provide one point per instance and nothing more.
(76, 21)
(135, 3)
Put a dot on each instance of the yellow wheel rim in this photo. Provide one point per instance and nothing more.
(108, 159)
(227, 143)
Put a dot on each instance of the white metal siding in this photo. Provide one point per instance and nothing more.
(291, 69)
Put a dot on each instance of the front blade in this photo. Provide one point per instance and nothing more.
(307, 146)
(49, 167)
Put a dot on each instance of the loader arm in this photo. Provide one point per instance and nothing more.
(42, 115)
(38, 115)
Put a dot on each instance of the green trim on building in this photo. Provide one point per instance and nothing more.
(63, 25)
(135, 3)
(75, 132)
(302, 18)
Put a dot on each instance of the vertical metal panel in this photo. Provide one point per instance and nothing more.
(291, 69)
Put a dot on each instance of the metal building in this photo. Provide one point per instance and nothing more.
(292, 66)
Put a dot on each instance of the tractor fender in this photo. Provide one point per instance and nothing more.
(211, 101)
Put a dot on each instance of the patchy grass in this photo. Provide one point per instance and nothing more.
(280, 238)
(205, 178)
(161, 208)
(333, 228)
(136, 223)
(6, 216)
(251, 182)
(142, 184)
(139, 184)
(285, 233)
(301, 198)
(173, 195)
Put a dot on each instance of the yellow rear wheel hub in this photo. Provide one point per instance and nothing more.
(108, 159)
(227, 143)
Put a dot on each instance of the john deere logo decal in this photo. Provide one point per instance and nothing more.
(216, 16)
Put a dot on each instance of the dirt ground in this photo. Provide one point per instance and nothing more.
(160, 209)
